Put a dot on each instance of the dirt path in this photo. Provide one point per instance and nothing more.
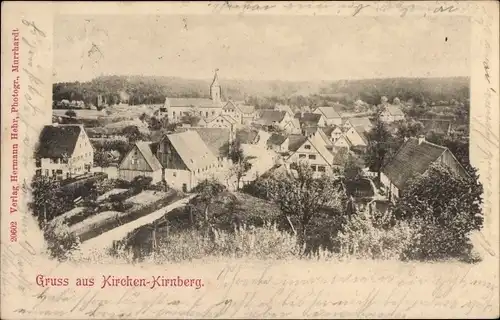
(106, 239)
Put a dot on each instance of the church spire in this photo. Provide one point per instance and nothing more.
(216, 78)
(215, 90)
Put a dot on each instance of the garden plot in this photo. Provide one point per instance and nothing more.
(106, 195)
(67, 215)
(146, 197)
(95, 221)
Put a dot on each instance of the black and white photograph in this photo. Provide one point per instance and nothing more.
(330, 142)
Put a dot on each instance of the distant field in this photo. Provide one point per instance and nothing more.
(123, 111)
(83, 114)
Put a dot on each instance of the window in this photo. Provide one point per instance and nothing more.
(308, 147)
(213, 112)
(47, 172)
(59, 171)
(313, 167)
(312, 156)
(302, 156)
(321, 168)
(206, 114)
(174, 174)
(38, 163)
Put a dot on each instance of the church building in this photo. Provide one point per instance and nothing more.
(201, 107)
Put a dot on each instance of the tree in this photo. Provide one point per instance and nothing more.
(100, 158)
(407, 129)
(446, 207)
(132, 133)
(206, 192)
(235, 152)
(352, 169)
(140, 183)
(190, 119)
(47, 201)
(380, 147)
(239, 169)
(70, 113)
(302, 196)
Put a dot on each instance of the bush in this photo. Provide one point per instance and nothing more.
(366, 235)
(60, 242)
(445, 208)
(435, 242)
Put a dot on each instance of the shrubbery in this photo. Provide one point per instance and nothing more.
(373, 236)
(60, 242)
(259, 243)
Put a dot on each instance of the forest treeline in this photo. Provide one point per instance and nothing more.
(153, 90)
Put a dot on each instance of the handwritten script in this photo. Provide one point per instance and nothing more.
(336, 289)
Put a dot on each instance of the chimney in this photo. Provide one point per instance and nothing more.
(421, 138)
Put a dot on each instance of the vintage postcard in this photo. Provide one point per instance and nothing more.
(250, 160)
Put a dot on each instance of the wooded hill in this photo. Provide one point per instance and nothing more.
(154, 89)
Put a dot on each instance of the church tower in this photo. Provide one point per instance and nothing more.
(215, 90)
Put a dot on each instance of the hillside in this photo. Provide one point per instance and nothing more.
(154, 89)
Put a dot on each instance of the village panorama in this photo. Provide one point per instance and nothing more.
(138, 173)
(192, 156)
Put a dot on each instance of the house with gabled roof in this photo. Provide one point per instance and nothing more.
(343, 142)
(278, 142)
(293, 126)
(414, 158)
(332, 117)
(186, 159)
(363, 122)
(332, 132)
(218, 140)
(392, 113)
(140, 161)
(269, 118)
(241, 112)
(63, 151)
(284, 107)
(221, 121)
(356, 135)
(318, 134)
(309, 149)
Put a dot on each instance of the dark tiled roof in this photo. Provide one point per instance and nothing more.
(195, 102)
(58, 141)
(328, 130)
(268, 117)
(247, 136)
(411, 159)
(329, 112)
(436, 125)
(296, 140)
(276, 139)
(217, 139)
(308, 119)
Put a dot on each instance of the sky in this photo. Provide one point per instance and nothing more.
(262, 47)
